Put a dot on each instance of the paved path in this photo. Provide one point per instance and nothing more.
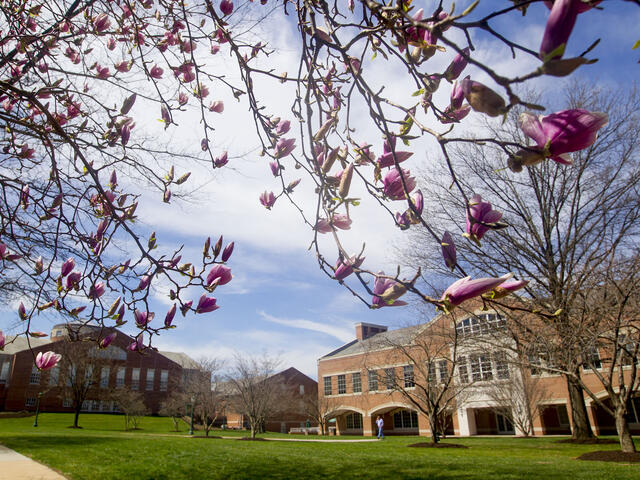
(14, 466)
(304, 439)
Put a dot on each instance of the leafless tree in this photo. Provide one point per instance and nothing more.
(319, 408)
(132, 405)
(518, 398)
(253, 394)
(80, 369)
(435, 377)
(174, 407)
(564, 223)
(203, 387)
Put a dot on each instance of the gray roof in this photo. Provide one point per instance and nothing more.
(182, 359)
(379, 341)
(16, 344)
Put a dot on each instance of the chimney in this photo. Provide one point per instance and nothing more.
(366, 330)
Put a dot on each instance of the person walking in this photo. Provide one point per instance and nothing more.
(380, 425)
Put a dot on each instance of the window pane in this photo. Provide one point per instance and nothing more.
(327, 386)
(357, 382)
(342, 384)
(373, 381)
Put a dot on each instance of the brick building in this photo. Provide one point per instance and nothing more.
(154, 374)
(294, 388)
(356, 381)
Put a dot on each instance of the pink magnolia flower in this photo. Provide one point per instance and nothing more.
(106, 341)
(457, 65)
(457, 95)
(111, 43)
(284, 147)
(283, 127)
(386, 292)
(560, 23)
(226, 7)
(182, 98)
(323, 226)
(393, 183)
(275, 168)
(217, 106)
(123, 66)
(219, 274)
(465, 289)
(267, 199)
(73, 279)
(96, 290)
(344, 266)
(2, 340)
(47, 360)
(144, 282)
(24, 196)
(408, 218)
(156, 72)
(143, 318)
(228, 250)
(448, 250)
(138, 344)
(563, 132)
(102, 72)
(386, 159)
(222, 160)
(170, 314)
(480, 218)
(101, 22)
(22, 312)
(506, 288)
(67, 266)
(341, 221)
(454, 115)
(206, 304)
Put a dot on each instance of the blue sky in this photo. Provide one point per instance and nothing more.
(279, 302)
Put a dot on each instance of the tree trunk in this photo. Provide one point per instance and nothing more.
(622, 427)
(581, 427)
(433, 423)
(253, 431)
(75, 418)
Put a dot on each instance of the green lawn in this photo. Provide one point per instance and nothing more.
(101, 450)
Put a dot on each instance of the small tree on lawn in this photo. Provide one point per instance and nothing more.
(254, 395)
(174, 407)
(203, 385)
(132, 405)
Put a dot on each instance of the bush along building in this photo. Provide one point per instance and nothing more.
(472, 373)
(87, 374)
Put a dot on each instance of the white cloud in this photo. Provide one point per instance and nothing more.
(340, 333)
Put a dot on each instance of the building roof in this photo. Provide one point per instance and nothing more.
(182, 359)
(19, 343)
(378, 341)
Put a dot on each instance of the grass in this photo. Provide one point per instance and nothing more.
(101, 449)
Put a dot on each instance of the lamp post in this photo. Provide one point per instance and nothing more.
(35, 422)
(193, 401)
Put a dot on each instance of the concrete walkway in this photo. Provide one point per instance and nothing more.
(14, 466)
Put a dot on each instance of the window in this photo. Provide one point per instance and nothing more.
(373, 380)
(633, 410)
(389, 378)
(34, 378)
(301, 389)
(4, 372)
(463, 370)
(328, 388)
(626, 349)
(30, 402)
(443, 369)
(356, 380)
(104, 377)
(164, 380)
(534, 364)
(54, 375)
(58, 333)
(431, 372)
(354, 420)
(592, 358)
(480, 367)
(88, 375)
(151, 373)
(66, 403)
(135, 378)
(481, 324)
(502, 367)
(342, 384)
(407, 372)
(405, 419)
(120, 377)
